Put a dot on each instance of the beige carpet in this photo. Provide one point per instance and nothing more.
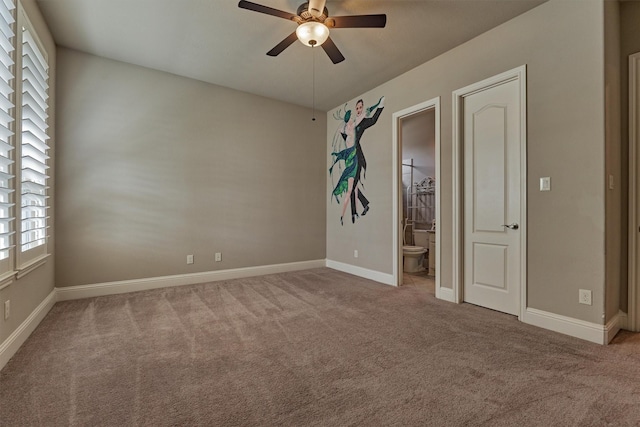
(315, 347)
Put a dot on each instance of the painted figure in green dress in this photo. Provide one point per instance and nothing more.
(349, 156)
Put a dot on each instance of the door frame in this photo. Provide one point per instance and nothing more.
(633, 302)
(518, 74)
(397, 182)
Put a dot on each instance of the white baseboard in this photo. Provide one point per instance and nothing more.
(124, 286)
(11, 345)
(624, 321)
(377, 276)
(614, 325)
(593, 332)
(445, 294)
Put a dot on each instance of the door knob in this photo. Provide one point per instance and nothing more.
(513, 226)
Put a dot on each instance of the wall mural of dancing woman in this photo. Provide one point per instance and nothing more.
(349, 164)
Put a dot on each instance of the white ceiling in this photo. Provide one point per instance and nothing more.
(217, 42)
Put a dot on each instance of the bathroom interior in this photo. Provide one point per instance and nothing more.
(419, 220)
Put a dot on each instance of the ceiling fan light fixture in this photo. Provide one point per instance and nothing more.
(312, 33)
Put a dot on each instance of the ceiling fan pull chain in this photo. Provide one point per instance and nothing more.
(313, 83)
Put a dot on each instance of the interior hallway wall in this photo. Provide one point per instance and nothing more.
(418, 143)
(153, 167)
(562, 45)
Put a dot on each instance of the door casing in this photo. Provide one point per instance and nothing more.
(519, 74)
(633, 309)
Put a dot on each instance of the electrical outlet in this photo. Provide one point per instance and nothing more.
(218, 256)
(584, 296)
(189, 259)
(7, 309)
(355, 253)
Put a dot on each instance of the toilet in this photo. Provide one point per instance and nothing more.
(414, 255)
(413, 258)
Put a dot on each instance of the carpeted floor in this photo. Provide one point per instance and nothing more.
(315, 347)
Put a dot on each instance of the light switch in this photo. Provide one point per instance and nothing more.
(545, 183)
(611, 186)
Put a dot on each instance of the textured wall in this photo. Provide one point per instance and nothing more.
(153, 167)
(561, 42)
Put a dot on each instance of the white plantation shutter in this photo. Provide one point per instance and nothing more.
(34, 145)
(7, 111)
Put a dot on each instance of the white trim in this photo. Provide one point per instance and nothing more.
(124, 286)
(633, 321)
(593, 332)
(457, 182)
(11, 345)
(396, 224)
(519, 74)
(613, 326)
(440, 291)
(445, 294)
(377, 276)
(623, 320)
(7, 279)
(32, 265)
(396, 182)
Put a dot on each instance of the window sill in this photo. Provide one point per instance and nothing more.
(32, 265)
(8, 278)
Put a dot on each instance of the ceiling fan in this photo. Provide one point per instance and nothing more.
(313, 25)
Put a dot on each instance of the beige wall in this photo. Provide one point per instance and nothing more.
(29, 291)
(562, 44)
(153, 167)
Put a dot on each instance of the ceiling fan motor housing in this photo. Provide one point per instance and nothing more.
(304, 13)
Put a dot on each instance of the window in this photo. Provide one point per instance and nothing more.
(7, 113)
(24, 139)
(33, 148)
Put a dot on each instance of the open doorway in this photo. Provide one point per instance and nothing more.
(417, 149)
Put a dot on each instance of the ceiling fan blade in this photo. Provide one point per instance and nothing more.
(277, 50)
(332, 51)
(357, 21)
(266, 9)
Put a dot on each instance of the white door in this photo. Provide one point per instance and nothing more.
(492, 125)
